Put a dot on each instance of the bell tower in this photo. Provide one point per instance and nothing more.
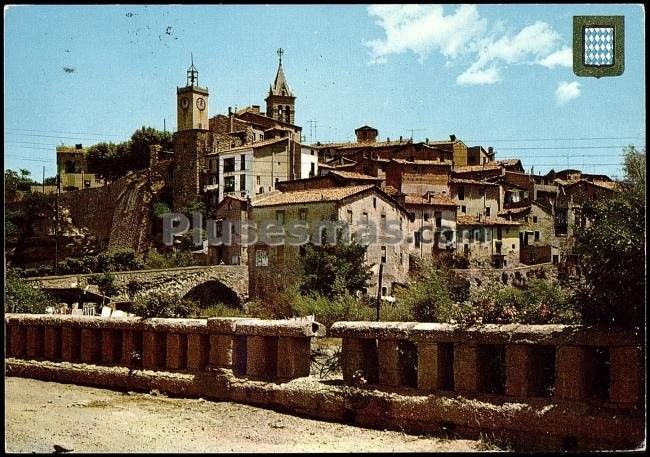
(192, 103)
(192, 140)
(281, 102)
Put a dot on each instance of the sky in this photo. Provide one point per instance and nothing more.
(493, 75)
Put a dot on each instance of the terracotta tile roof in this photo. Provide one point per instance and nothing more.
(436, 200)
(390, 190)
(514, 211)
(473, 220)
(606, 184)
(258, 144)
(471, 181)
(310, 196)
(473, 168)
(423, 162)
(509, 162)
(353, 175)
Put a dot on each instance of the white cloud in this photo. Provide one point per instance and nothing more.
(561, 58)
(566, 92)
(473, 76)
(422, 29)
(462, 35)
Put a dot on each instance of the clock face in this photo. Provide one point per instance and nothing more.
(185, 102)
(200, 104)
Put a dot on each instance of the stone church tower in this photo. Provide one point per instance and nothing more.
(281, 102)
(192, 140)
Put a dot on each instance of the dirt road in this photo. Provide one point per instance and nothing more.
(40, 414)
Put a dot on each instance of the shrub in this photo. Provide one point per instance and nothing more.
(20, 297)
(125, 260)
(220, 310)
(174, 259)
(163, 304)
(106, 283)
(428, 297)
(160, 208)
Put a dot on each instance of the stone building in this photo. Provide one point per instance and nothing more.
(72, 168)
(488, 241)
(537, 240)
(274, 267)
(475, 197)
(418, 177)
(229, 216)
(432, 221)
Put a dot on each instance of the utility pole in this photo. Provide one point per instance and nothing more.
(381, 274)
(56, 223)
(415, 130)
(43, 179)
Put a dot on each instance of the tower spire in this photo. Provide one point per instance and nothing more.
(280, 52)
(192, 73)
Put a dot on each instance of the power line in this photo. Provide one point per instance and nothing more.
(28, 158)
(560, 139)
(560, 148)
(66, 133)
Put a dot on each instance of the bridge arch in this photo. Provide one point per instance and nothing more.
(213, 291)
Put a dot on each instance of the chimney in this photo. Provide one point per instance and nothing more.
(400, 138)
(388, 139)
(479, 217)
(232, 119)
(452, 137)
(490, 150)
(427, 141)
(78, 146)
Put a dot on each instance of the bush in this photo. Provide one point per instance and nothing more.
(125, 260)
(20, 297)
(428, 297)
(106, 283)
(539, 302)
(160, 208)
(163, 304)
(220, 310)
(174, 259)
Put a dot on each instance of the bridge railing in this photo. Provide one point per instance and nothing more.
(511, 361)
(255, 348)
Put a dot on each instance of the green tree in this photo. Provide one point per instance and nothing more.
(612, 251)
(102, 159)
(334, 270)
(18, 181)
(21, 297)
(140, 142)
(163, 304)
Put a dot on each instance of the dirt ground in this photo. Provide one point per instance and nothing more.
(40, 414)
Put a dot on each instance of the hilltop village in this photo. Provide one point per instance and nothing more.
(251, 164)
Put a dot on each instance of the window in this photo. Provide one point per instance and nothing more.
(277, 180)
(279, 216)
(374, 202)
(312, 169)
(412, 216)
(229, 165)
(499, 233)
(534, 219)
(463, 209)
(383, 254)
(526, 219)
(258, 180)
(426, 216)
(364, 218)
(416, 236)
(384, 291)
(487, 211)
(219, 229)
(349, 216)
(242, 158)
(383, 221)
(302, 214)
(536, 235)
(261, 258)
(461, 193)
(242, 182)
(438, 215)
(401, 257)
(302, 251)
(229, 184)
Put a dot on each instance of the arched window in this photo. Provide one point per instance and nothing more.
(287, 114)
(279, 111)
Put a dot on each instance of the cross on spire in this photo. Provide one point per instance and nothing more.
(280, 52)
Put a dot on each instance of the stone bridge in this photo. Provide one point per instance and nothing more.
(225, 283)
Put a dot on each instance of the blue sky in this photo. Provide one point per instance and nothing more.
(492, 75)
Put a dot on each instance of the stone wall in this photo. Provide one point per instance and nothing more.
(119, 213)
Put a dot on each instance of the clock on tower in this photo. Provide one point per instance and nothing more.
(192, 103)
